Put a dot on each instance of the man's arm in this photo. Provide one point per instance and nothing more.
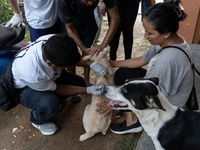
(114, 22)
(72, 32)
(67, 90)
(15, 6)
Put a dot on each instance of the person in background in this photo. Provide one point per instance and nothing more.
(79, 20)
(41, 17)
(170, 65)
(39, 72)
(128, 11)
(146, 4)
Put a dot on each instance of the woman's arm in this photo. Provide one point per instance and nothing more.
(129, 63)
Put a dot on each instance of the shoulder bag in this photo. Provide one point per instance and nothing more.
(192, 102)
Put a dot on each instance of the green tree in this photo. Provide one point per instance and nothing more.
(5, 11)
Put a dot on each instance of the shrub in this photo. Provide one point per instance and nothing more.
(5, 11)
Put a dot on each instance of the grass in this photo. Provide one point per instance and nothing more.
(128, 142)
(27, 36)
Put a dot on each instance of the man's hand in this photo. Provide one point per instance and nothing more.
(96, 49)
(86, 51)
(98, 69)
(94, 90)
(103, 107)
(16, 20)
(102, 8)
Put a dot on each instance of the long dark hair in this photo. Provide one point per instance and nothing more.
(165, 16)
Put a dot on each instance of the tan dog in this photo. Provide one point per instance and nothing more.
(92, 121)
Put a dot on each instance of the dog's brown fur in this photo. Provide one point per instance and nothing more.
(92, 121)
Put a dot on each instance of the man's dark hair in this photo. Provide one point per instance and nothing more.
(61, 50)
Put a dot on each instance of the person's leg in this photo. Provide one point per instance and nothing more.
(44, 105)
(131, 123)
(122, 74)
(130, 14)
(36, 33)
(87, 34)
(131, 118)
(114, 43)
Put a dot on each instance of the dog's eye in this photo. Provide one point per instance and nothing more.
(124, 89)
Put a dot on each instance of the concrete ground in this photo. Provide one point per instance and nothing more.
(145, 142)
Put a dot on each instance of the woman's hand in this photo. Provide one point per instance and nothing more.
(103, 107)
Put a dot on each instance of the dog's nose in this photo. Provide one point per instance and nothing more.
(105, 89)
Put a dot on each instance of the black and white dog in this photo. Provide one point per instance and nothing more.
(169, 127)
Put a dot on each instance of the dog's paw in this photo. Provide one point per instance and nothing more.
(86, 136)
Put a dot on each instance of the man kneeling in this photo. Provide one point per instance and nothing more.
(39, 70)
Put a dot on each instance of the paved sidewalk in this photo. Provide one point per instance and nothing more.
(145, 142)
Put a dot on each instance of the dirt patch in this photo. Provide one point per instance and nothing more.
(17, 133)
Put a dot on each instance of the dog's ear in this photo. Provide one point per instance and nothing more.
(153, 102)
(154, 80)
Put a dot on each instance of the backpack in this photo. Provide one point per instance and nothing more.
(8, 94)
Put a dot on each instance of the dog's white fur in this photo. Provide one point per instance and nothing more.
(152, 118)
(92, 121)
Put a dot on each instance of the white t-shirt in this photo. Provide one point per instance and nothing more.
(41, 14)
(30, 69)
(173, 69)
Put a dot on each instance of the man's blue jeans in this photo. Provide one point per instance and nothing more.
(46, 104)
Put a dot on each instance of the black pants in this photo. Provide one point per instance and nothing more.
(122, 74)
(128, 10)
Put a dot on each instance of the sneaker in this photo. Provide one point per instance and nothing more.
(76, 98)
(47, 128)
(122, 128)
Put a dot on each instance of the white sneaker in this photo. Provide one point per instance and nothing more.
(47, 128)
